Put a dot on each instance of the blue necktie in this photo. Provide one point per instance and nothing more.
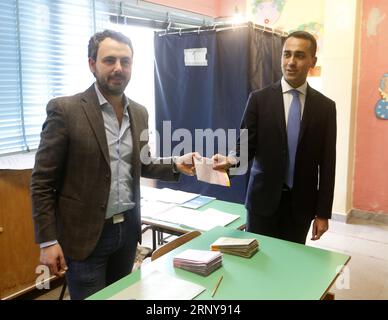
(293, 127)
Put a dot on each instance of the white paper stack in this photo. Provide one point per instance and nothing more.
(154, 209)
(199, 220)
(202, 262)
(166, 195)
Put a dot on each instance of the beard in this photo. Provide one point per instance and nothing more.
(111, 88)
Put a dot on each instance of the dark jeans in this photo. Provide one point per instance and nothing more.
(281, 224)
(111, 260)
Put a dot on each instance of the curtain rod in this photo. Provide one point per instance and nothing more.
(181, 28)
(143, 10)
(221, 27)
(145, 22)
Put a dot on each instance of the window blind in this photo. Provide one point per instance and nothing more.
(43, 54)
(53, 40)
(11, 117)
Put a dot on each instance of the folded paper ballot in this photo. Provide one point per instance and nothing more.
(241, 247)
(205, 172)
(202, 262)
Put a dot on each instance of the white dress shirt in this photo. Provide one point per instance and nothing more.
(287, 97)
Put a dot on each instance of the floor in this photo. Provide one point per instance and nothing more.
(366, 276)
(366, 242)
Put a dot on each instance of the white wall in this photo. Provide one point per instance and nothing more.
(339, 74)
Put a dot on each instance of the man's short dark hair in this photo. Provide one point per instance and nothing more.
(307, 36)
(98, 37)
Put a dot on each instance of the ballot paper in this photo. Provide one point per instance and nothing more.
(199, 220)
(205, 172)
(166, 195)
(160, 286)
(202, 262)
(153, 209)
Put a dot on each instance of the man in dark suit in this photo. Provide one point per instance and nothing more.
(85, 185)
(292, 141)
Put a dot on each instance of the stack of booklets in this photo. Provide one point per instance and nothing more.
(240, 247)
(202, 262)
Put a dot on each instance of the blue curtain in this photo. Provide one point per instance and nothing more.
(213, 96)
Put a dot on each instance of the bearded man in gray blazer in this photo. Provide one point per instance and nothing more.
(85, 185)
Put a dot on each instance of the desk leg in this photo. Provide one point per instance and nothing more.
(160, 238)
(153, 239)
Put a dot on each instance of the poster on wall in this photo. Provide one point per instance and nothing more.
(375, 18)
(381, 108)
(287, 16)
(266, 12)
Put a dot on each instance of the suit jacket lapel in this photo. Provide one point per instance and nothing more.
(135, 140)
(92, 109)
(278, 105)
(308, 111)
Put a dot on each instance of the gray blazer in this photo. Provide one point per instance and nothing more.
(70, 182)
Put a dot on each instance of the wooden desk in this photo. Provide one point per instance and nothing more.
(19, 255)
(175, 229)
(281, 270)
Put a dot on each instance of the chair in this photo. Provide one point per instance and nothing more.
(329, 296)
(174, 244)
(63, 290)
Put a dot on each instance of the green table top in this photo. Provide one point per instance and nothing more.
(280, 270)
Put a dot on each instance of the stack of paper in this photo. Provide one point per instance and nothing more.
(202, 262)
(199, 220)
(166, 195)
(240, 247)
(153, 209)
